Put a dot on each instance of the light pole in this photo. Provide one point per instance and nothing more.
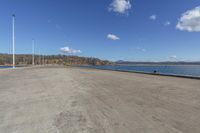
(13, 26)
(33, 52)
(39, 58)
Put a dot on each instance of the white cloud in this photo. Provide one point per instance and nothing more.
(69, 50)
(153, 17)
(190, 21)
(120, 6)
(167, 23)
(113, 37)
(173, 57)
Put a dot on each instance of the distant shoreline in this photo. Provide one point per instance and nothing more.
(6, 65)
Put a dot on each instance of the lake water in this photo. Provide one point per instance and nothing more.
(187, 70)
(2, 67)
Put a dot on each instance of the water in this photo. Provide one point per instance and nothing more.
(187, 70)
(2, 67)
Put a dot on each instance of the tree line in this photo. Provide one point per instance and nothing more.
(26, 59)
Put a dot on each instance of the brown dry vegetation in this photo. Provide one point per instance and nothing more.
(23, 59)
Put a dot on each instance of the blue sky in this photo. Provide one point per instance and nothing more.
(136, 30)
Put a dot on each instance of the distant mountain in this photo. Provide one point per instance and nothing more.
(120, 61)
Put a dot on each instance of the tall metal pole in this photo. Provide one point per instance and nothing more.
(13, 24)
(39, 58)
(43, 60)
(33, 52)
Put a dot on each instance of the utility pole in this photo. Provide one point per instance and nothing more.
(39, 58)
(13, 26)
(33, 52)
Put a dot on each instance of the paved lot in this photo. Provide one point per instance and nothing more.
(72, 100)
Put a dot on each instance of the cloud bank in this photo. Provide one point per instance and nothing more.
(190, 21)
(120, 6)
(113, 37)
(69, 50)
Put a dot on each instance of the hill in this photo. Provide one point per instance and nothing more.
(26, 59)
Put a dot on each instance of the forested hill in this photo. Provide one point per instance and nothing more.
(25, 59)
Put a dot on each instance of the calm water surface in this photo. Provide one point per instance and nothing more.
(2, 67)
(187, 70)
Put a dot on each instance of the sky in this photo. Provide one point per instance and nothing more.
(133, 30)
